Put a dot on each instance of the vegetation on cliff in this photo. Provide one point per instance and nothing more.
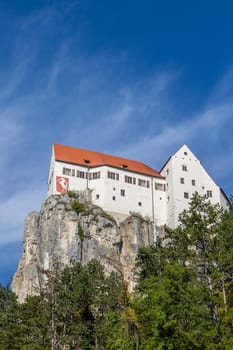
(183, 299)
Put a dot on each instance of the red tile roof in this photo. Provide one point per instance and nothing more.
(92, 159)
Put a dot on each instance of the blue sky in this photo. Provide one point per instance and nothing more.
(132, 78)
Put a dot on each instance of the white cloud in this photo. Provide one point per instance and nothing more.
(224, 89)
(208, 133)
(10, 131)
(15, 209)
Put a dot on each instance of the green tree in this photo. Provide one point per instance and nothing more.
(7, 306)
(195, 264)
(22, 326)
(77, 303)
(172, 311)
(198, 229)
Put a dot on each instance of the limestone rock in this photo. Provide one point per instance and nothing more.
(58, 235)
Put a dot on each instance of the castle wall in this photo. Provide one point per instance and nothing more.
(119, 190)
(185, 175)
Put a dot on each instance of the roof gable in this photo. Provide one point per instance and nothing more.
(183, 150)
(92, 159)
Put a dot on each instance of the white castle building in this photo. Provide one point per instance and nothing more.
(121, 186)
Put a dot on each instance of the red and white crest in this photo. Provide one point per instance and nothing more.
(62, 184)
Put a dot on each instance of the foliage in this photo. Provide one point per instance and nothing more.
(77, 206)
(72, 194)
(80, 232)
(183, 293)
(172, 314)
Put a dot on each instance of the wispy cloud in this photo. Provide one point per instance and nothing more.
(208, 133)
(202, 128)
(15, 209)
(93, 103)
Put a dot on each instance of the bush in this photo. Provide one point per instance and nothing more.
(77, 206)
(72, 194)
(80, 232)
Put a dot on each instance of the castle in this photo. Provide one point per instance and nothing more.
(121, 186)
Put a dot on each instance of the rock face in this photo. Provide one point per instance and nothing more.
(59, 235)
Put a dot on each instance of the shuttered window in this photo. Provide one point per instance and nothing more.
(130, 180)
(81, 174)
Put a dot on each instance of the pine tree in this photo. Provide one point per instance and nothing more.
(194, 263)
(172, 311)
(78, 302)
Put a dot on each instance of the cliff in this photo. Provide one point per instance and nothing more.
(71, 229)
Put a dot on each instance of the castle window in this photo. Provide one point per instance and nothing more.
(185, 153)
(184, 167)
(143, 183)
(140, 204)
(182, 180)
(123, 193)
(66, 171)
(130, 179)
(186, 195)
(96, 175)
(97, 196)
(111, 175)
(73, 172)
(209, 194)
(113, 198)
(194, 182)
(81, 174)
(160, 187)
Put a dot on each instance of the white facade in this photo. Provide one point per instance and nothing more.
(119, 190)
(184, 176)
(141, 193)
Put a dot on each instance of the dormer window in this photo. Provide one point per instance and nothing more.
(124, 166)
(87, 161)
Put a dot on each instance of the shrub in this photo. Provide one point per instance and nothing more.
(77, 206)
(72, 194)
(80, 232)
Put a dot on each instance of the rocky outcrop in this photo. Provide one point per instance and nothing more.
(65, 231)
